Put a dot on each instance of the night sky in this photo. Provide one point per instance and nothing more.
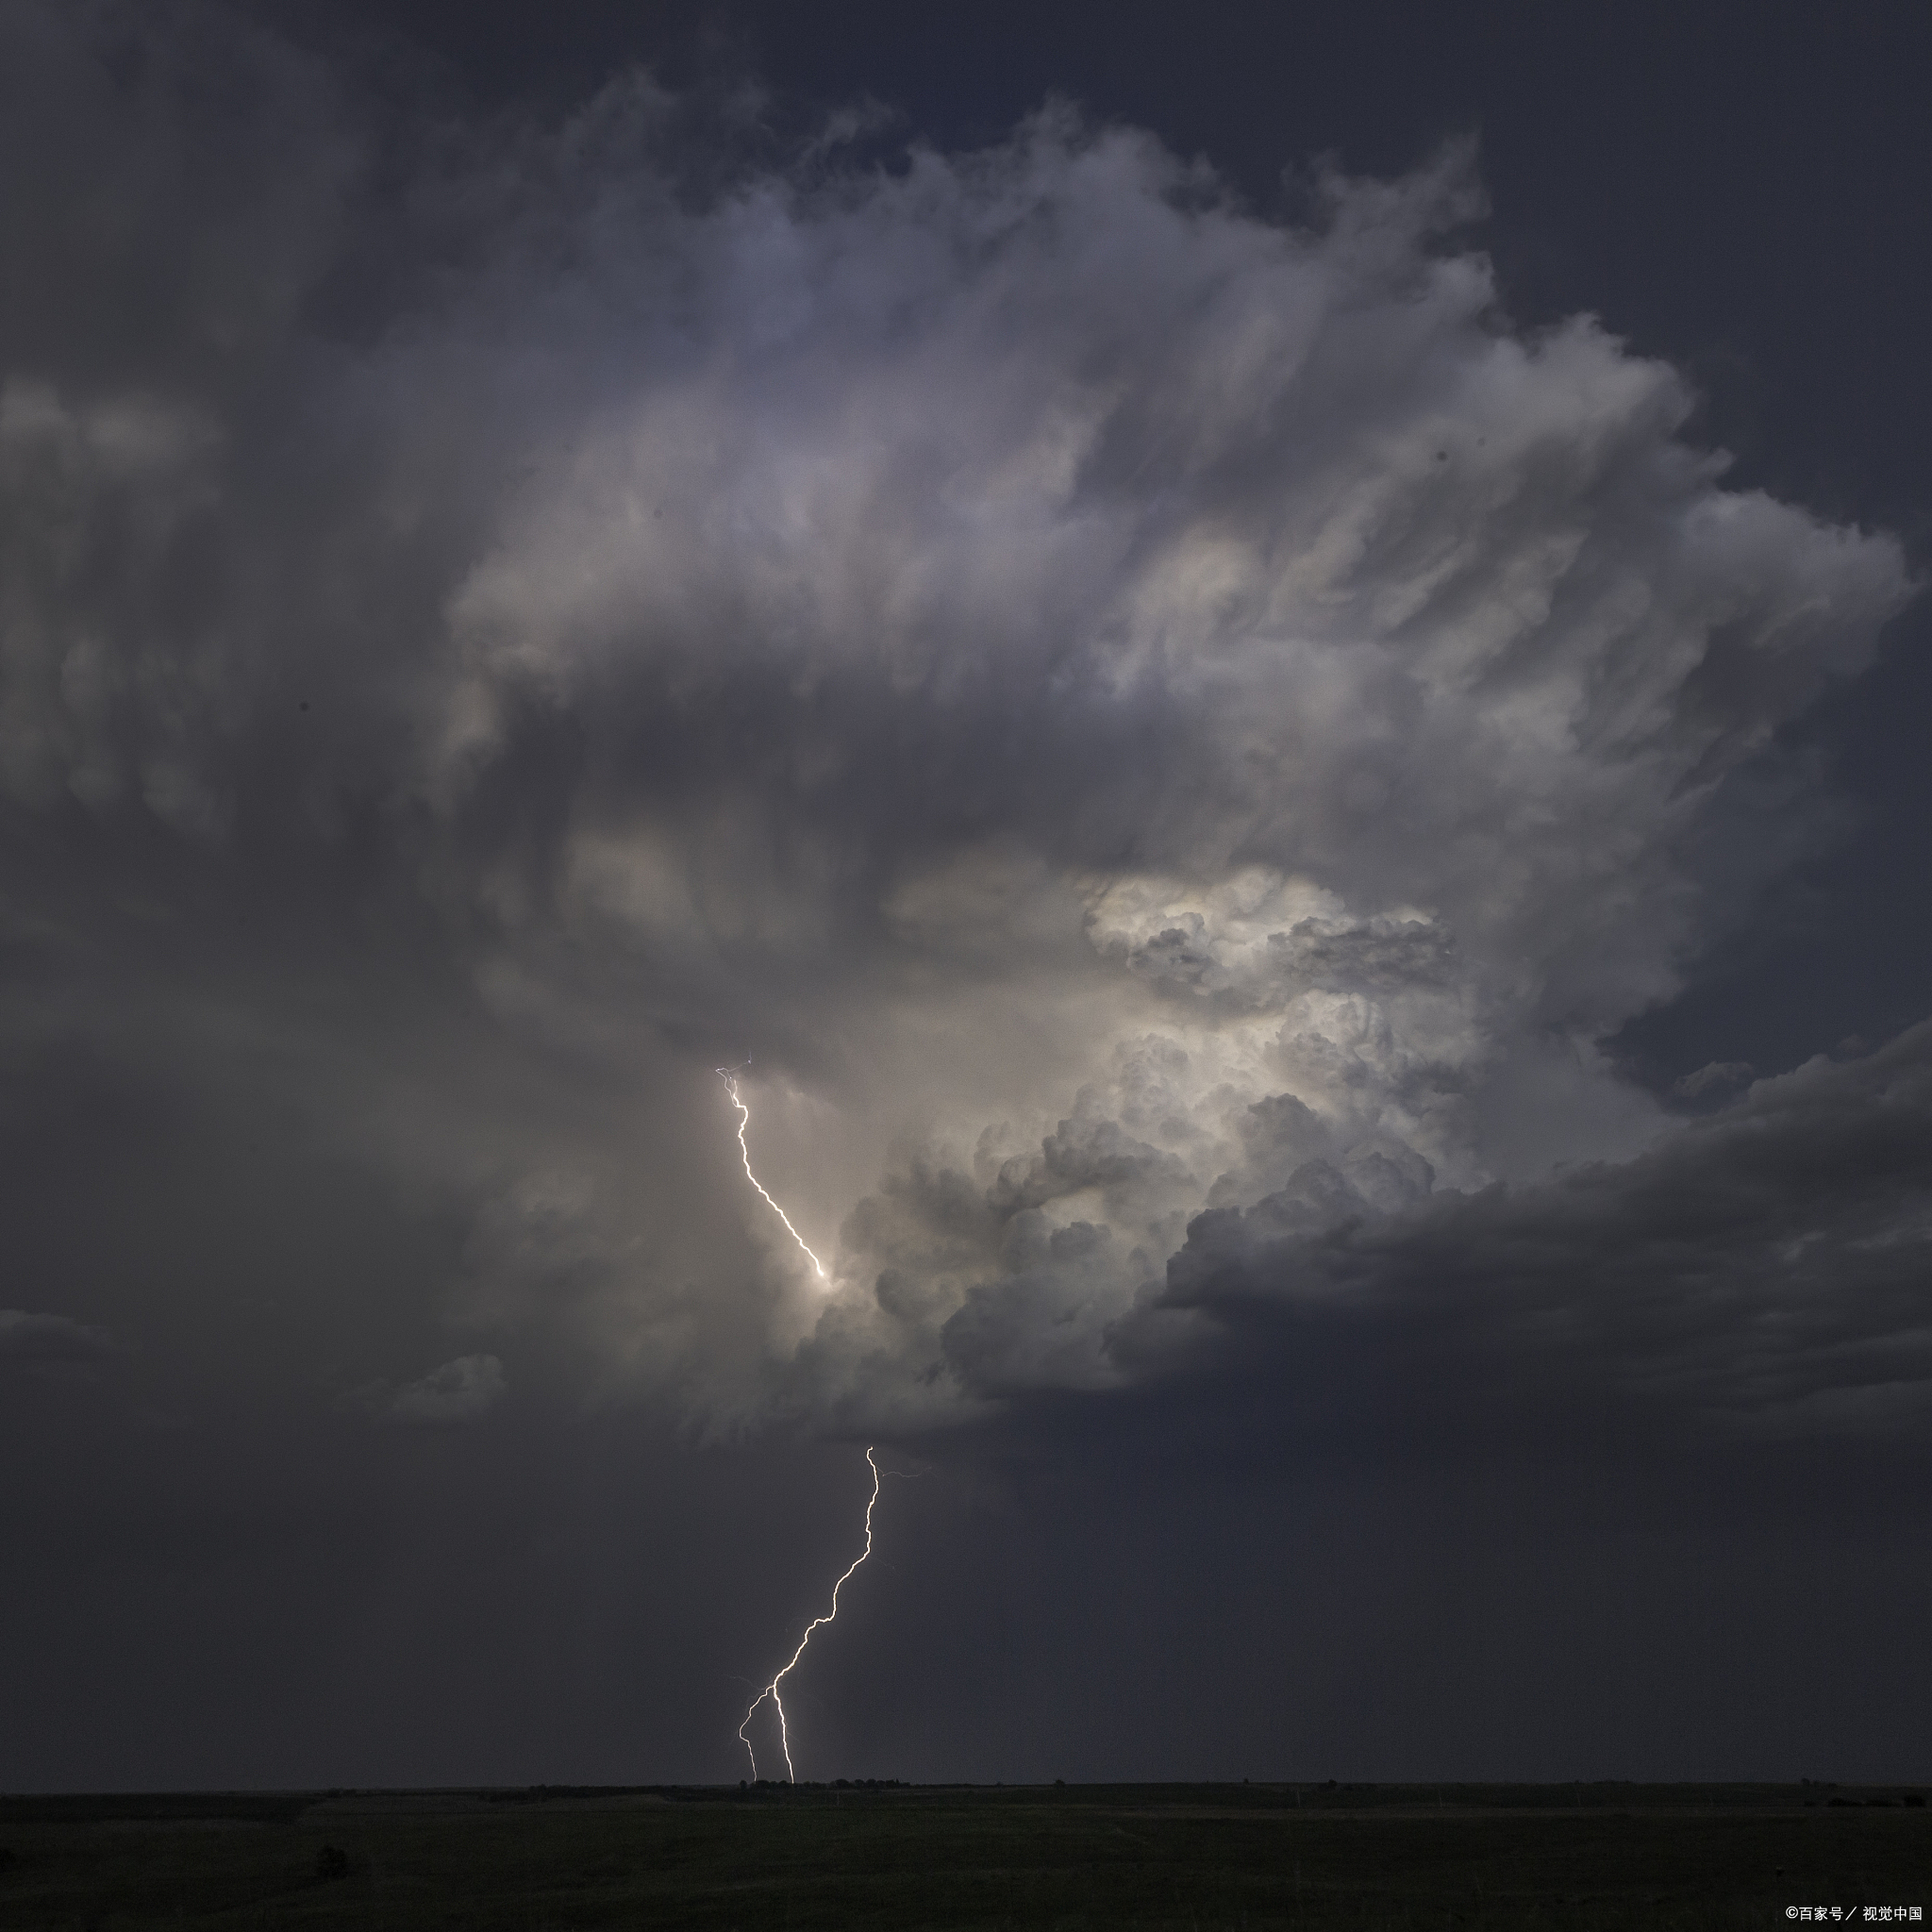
(1263, 669)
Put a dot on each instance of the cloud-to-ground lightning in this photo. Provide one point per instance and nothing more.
(730, 1076)
(771, 1689)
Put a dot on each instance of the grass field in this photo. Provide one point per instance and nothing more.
(1189, 1857)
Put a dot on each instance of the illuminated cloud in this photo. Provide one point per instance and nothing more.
(1129, 711)
(1032, 585)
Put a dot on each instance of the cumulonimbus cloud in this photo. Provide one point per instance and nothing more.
(1762, 1272)
(1139, 712)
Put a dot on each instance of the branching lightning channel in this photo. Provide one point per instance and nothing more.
(730, 1076)
(771, 1689)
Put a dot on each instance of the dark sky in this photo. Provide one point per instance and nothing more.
(1265, 662)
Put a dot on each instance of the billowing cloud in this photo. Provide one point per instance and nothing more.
(1763, 1271)
(1168, 737)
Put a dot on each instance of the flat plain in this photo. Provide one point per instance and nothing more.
(1188, 1857)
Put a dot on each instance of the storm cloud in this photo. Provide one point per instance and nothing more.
(1760, 1274)
(1168, 739)
(877, 618)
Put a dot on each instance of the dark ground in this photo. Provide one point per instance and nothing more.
(1192, 1857)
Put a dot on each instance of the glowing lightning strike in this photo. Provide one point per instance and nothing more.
(730, 1076)
(771, 1689)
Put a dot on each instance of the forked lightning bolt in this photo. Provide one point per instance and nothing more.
(771, 1689)
(730, 1076)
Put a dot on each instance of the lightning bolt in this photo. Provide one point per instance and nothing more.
(730, 1076)
(771, 1689)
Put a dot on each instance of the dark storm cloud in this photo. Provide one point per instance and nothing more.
(1166, 737)
(1765, 1271)
(1163, 737)
(1053, 665)
(1760, 1274)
